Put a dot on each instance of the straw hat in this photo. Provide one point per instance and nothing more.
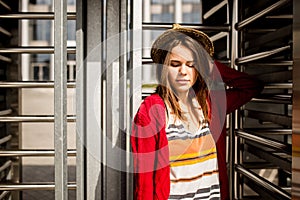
(157, 49)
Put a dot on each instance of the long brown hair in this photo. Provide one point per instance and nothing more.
(201, 63)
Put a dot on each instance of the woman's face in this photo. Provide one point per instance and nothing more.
(181, 71)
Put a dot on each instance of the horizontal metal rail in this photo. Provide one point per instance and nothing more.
(271, 63)
(261, 165)
(160, 26)
(3, 4)
(5, 166)
(280, 17)
(35, 15)
(218, 36)
(4, 194)
(32, 186)
(28, 84)
(215, 9)
(272, 100)
(283, 32)
(282, 160)
(5, 112)
(269, 117)
(33, 152)
(263, 182)
(272, 131)
(34, 50)
(262, 13)
(33, 118)
(5, 32)
(271, 143)
(279, 86)
(5, 139)
(5, 59)
(261, 55)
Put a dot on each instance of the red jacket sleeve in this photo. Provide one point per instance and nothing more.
(150, 152)
(241, 87)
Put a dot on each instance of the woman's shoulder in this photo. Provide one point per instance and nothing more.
(153, 99)
(151, 104)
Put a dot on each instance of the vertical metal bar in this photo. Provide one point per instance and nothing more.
(115, 96)
(146, 73)
(135, 73)
(52, 60)
(201, 11)
(178, 11)
(25, 58)
(111, 176)
(60, 100)
(123, 111)
(234, 51)
(296, 102)
(93, 66)
(136, 57)
(80, 105)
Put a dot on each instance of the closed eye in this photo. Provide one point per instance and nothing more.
(175, 63)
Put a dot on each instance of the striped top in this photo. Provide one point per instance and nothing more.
(193, 161)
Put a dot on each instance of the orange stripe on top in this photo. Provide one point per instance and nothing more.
(190, 146)
(193, 161)
(193, 155)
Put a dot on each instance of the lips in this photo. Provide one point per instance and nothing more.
(182, 81)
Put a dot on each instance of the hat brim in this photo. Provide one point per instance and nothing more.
(199, 36)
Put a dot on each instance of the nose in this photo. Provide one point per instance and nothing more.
(183, 69)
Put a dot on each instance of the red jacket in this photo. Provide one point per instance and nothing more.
(150, 144)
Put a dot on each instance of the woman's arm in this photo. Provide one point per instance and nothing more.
(150, 151)
(242, 87)
(143, 159)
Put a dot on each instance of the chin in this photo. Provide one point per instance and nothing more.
(182, 90)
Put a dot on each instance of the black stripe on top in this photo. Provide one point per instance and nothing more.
(184, 135)
(199, 191)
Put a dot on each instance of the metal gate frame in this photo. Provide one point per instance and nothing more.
(238, 171)
(60, 117)
(102, 131)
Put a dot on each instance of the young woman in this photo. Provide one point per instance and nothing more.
(178, 133)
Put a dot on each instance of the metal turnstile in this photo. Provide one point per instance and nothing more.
(15, 50)
(264, 126)
(114, 72)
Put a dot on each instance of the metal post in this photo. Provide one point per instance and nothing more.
(234, 51)
(93, 105)
(115, 105)
(136, 68)
(60, 100)
(136, 57)
(123, 102)
(25, 41)
(81, 101)
(146, 40)
(178, 11)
